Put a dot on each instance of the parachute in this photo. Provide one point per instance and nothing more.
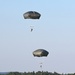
(31, 15)
(40, 53)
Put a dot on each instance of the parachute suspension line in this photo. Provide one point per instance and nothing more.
(31, 28)
(41, 67)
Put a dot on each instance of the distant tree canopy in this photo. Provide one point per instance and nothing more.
(35, 73)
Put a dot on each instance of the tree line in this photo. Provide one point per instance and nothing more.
(36, 73)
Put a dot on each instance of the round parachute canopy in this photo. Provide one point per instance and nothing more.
(31, 15)
(40, 53)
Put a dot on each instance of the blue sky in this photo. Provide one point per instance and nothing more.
(54, 31)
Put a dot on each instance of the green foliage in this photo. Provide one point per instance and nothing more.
(14, 73)
(36, 73)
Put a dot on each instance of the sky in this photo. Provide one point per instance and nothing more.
(54, 32)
